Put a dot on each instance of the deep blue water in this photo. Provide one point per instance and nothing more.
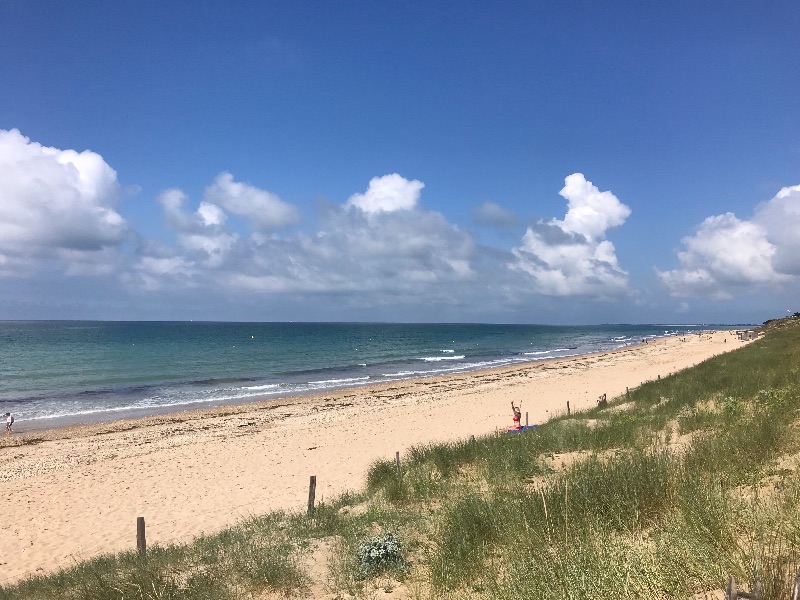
(58, 372)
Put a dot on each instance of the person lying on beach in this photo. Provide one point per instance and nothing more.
(517, 415)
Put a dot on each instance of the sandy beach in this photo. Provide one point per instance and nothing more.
(71, 494)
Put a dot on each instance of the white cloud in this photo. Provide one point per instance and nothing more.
(727, 255)
(160, 265)
(570, 257)
(263, 209)
(379, 250)
(590, 212)
(201, 233)
(492, 214)
(388, 194)
(407, 253)
(166, 266)
(173, 201)
(94, 263)
(780, 217)
(214, 245)
(389, 250)
(211, 214)
(56, 204)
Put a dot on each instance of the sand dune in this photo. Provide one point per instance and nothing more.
(74, 493)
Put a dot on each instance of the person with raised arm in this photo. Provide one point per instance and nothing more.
(517, 415)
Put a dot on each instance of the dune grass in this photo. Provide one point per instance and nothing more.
(661, 494)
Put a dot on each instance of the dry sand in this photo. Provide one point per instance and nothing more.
(71, 494)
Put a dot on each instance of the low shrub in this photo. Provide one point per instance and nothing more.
(378, 555)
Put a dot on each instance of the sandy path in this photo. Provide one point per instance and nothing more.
(71, 494)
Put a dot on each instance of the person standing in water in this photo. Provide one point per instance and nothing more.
(9, 422)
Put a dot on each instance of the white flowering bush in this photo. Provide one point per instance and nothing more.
(379, 554)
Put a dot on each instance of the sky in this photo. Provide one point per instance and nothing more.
(518, 162)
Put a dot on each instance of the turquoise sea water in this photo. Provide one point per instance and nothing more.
(54, 373)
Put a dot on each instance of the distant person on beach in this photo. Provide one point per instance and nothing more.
(601, 401)
(9, 422)
(517, 415)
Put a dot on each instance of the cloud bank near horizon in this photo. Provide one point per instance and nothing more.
(381, 247)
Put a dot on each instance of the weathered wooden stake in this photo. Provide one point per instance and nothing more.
(312, 491)
(627, 392)
(568, 412)
(758, 588)
(526, 419)
(141, 542)
(731, 593)
(397, 462)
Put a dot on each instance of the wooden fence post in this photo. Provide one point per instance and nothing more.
(568, 412)
(312, 490)
(731, 593)
(397, 463)
(526, 419)
(141, 542)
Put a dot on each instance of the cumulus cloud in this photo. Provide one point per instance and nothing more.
(780, 218)
(388, 194)
(263, 209)
(203, 236)
(388, 250)
(380, 248)
(590, 212)
(399, 250)
(494, 215)
(201, 233)
(173, 201)
(570, 256)
(727, 254)
(56, 203)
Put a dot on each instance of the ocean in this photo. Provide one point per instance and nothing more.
(55, 373)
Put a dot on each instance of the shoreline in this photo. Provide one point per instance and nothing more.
(75, 492)
(111, 394)
(41, 426)
(176, 414)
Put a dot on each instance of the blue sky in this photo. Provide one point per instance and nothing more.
(536, 162)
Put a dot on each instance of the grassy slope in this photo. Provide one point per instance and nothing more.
(661, 494)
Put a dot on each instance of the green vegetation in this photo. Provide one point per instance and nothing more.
(662, 493)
